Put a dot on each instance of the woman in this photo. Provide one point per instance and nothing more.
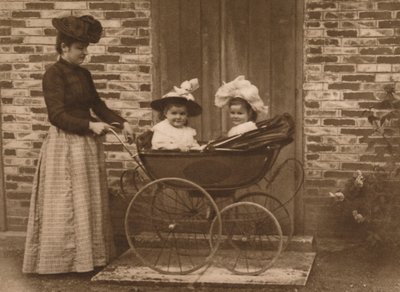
(69, 228)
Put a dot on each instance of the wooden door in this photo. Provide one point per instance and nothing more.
(217, 40)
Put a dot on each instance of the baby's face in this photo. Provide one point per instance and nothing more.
(177, 116)
(238, 114)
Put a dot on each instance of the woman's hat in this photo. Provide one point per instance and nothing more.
(181, 95)
(85, 28)
(242, 88)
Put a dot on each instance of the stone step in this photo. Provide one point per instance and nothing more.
(290, 270)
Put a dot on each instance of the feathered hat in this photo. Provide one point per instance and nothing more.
(242, 88)
(85, 28)
(182, 94)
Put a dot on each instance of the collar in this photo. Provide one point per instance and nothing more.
(68, 64)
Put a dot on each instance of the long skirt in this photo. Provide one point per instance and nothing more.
(69, 227)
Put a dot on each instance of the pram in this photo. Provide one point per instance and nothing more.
(173, 223)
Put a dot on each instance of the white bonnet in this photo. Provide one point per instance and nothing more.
(240, 87)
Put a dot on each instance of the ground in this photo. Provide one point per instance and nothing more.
(339, 266)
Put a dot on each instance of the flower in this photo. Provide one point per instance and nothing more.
(338, 196)
(359, 179)
(358, 217)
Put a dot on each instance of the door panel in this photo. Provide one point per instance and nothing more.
(217, 40)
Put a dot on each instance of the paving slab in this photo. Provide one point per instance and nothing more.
(291, 269)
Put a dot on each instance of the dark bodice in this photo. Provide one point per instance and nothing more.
(69, 94)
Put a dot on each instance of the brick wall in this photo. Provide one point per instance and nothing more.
(120, 64)
(351, 52)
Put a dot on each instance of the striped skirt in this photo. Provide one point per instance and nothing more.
(69, 227)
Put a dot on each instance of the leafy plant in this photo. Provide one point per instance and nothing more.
(369, 200)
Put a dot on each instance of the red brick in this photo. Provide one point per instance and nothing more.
(321, 6)
(339, 122)
(122, 50)
(104, 6)
(144, 104)
(11, 40)
(341, 33)
(317, 139)
(12, 23)
(311, 104)
(106, 76)
(364, 78)
(358, 95)
(5, 31)
(322, 59)
(19, 178)
(312, 156)
(356, 132)
(331, 24)
(340, 15)
(344, 86)
(388, 60)
(18, 195)
(339, 68)
(6, 84)
(10, 152)
(313, 24)
(43, 58)
(115, 148)
(94, 67)
(145, 87)
(389, 41)
(39, 6)
(25, 14)
(135, 41)
(113, 95)
(320, 148)
(120, 14)
(376, 14)
(376, 51)
(389, 24)
(40, 127)
(326, 42)
(50, 32)
(136, 23)
(27, 170)
(357, 166)
(5, 67)
(24, 50)
(105, 59)
(389, 6)
(338, 174)
(314, 15)
(359, 59)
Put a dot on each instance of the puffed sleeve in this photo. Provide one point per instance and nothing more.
(100, 108)
(53, 91)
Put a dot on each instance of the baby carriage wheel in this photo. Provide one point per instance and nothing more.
(246, 247)
(276, 208)
(168, 223)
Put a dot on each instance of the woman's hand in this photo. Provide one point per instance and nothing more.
(99, 128)
(128, 133)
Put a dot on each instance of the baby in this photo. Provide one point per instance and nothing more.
(172, 133)
(244, 104)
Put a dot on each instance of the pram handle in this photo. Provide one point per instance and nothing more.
(120, 140)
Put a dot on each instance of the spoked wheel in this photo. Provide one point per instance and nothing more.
(168, 224)
(251, 238)
(276, 208)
